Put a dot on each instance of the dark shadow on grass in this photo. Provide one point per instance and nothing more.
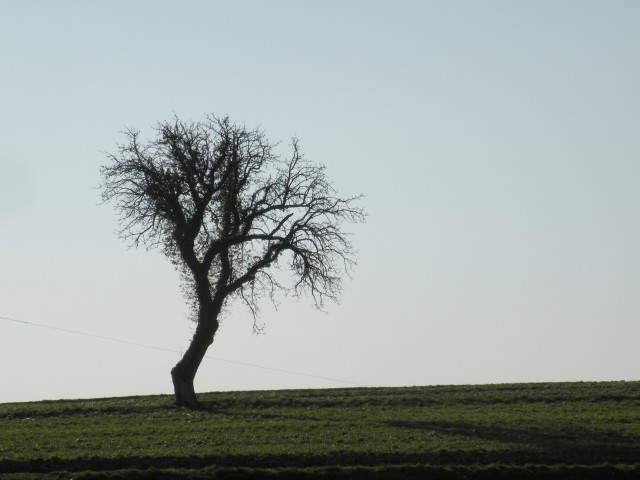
(578, 444)
(252, 413)
(387, 472)
(87, 411)
(339, 460)
(213, 408)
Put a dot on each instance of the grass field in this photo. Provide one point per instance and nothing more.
(554, 430)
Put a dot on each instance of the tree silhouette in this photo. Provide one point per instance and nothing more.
(228, 212)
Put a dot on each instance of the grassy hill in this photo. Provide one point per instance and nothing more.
(526, 431)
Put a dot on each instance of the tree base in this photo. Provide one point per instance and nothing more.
(184, 391)
(185, 370)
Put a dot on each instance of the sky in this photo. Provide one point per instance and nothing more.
(496, 144)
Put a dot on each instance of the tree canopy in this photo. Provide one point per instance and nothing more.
(229, 212)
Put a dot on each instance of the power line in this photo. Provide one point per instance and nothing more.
(76, 332)
(143, 345)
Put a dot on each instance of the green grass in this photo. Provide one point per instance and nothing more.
(554, 430)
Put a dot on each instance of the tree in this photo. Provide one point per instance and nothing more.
(228, 212)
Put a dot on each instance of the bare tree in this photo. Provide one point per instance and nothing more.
(228, 211)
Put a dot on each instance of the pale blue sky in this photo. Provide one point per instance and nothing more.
(496, 142)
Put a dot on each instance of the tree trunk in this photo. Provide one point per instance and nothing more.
(185, 370)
